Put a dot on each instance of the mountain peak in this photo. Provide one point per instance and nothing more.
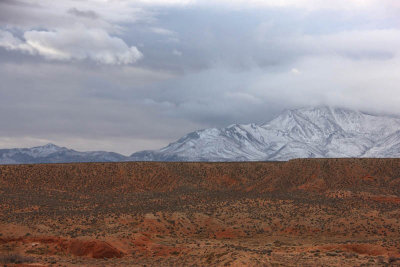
(50, 145)
(322, 110)
(321, 131)
(51, 153)
(45, 150)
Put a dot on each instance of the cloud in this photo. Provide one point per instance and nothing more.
(70, 105)
(9, 42)
(295, 71)
(166, 2)
(162, 31)
(177, 53)
(206, 64)
(302, 4)
(60, 31)
(73, 44)
(243, 97)
(83, 13)
(369, 84)
(309, 5)
(356, 44)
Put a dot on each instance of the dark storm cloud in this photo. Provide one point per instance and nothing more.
(134, 75)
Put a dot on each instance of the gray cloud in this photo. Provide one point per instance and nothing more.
(46, 30)
(83, 13)
(56, 102)
(73, 44)
(71, 72)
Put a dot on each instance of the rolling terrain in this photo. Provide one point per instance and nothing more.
(307, 212)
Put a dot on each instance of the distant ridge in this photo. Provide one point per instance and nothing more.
(51, 153)
(317, 132)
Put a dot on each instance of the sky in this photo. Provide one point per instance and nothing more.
(125, 76)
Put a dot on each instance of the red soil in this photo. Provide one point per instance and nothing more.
(386, 199)
(88, 248)
(218, 214)
(93, 249)
(365, 249)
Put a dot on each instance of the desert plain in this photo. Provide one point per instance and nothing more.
(303, 212)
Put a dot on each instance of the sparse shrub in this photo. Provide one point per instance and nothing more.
(15, 259)
(331, 253)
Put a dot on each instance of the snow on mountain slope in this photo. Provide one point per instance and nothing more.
(54, 154)
(387, 147)
(298, 133)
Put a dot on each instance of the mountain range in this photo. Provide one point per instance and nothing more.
(51, 153)
(316, 132)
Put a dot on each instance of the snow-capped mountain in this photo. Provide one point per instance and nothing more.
(54, 154)
(299, 133)
(319, 132)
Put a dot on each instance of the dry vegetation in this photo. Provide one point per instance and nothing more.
(310, 212)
